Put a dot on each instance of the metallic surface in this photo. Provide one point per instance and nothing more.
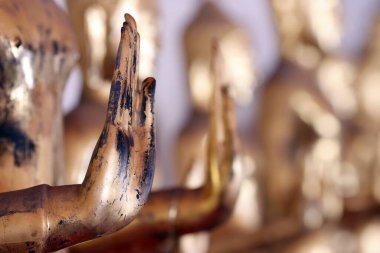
(96, 26)
(303, 156)
(237, 71)
(211, 23)
(174, 212)
(95, 23)
(299, 155)
(37, 53)
(339, 177)
(354, 234)
(362, 139)
(345, 86)
(118, 180)
(305, 27)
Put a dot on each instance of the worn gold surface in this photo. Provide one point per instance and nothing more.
(118, 180)
(173, 212)
(36, 55)
(96, 23)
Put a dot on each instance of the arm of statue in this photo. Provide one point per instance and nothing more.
(180, 210)
(118, 180)
(208, 206)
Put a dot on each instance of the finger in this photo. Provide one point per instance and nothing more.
(221, 146)
(146, 117)
(217, 67)
(228, 122)
(124, 82)
(142, 130)
(215, 110)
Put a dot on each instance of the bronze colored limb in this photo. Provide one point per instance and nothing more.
(118, 180)
(180, 210)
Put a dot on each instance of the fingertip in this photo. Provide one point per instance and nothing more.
(148, 81)
(129, 43)
(149, 86)
(129, 20)
(147, 105)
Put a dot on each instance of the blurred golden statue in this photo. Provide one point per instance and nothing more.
(339, 177)
(236, 71)
(300, 132)
(361, 147)
(344, 84)
(37, 51)
(359, 228)
(210, 24)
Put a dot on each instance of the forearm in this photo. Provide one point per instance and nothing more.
(33, 217)
(23, 218)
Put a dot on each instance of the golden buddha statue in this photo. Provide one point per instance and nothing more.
(37, 51)
(300, 134)
(343, 81)
(211, 23)
(96, 25)
(171, 213)
(358, 229)
(362, 139)
(299, 142)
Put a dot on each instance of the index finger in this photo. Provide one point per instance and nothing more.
(125, 87)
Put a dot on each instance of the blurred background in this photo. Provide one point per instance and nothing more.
(255, 17)
(304, 76)
(172, 99)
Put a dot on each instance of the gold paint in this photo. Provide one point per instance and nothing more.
(210, 24)
(31, 86)
(173, 212)
(362, 151)
(235, 69)
(48, 218)
(300, 22)
(300, 132)
(96, 26)
(340, 163)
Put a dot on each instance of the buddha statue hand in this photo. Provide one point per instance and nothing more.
(118, 179)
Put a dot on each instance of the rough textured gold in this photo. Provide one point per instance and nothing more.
(119, 177)
(178, 211)
(37, 53)
(95, 23)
